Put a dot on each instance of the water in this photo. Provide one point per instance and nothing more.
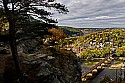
(90, 63)
(112, 73)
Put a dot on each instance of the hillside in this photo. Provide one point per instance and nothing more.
(98, 44)
(88, 31)
(71, 31)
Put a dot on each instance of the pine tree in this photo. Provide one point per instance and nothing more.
(19, 14)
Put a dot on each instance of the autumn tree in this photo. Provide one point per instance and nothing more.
(57, 34)
(20, 12)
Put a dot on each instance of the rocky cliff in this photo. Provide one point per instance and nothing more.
(54, 66)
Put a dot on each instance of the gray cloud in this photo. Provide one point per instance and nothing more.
(93, 13)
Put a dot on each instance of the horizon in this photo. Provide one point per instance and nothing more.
(93, 27)
(89, 13)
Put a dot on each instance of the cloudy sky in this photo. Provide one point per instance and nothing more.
(93, 13)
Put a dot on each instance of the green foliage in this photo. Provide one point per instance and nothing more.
(85, 53)
(100, 43)
(120, 51)
(4, 25)
(30, 17)
(89, 53)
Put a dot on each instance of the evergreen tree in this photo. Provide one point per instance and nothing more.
(19, 14)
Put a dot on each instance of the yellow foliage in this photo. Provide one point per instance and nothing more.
(4, 24)
(120, 51)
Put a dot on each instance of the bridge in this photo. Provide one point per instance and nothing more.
(99, 66)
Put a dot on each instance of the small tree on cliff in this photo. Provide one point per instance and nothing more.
(57, 34)
(15, 10)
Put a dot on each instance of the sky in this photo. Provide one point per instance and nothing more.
(92, 14)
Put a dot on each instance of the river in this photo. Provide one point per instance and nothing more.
(111, 73)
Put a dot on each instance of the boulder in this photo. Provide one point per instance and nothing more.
(4, 50)
(55, 68)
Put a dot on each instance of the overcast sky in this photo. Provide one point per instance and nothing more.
(93, 13)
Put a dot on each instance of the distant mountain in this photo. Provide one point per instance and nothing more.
(71, 31)
(88, 31)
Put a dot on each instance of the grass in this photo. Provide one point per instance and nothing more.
(91, 62)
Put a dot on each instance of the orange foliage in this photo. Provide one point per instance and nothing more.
(57, 34)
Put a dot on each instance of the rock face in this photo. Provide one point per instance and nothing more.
(4, 49)
(29, 46)
(60, 66)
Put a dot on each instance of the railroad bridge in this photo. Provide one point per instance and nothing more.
(98, 67)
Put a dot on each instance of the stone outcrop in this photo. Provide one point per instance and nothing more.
(4, 49)
(58, 66)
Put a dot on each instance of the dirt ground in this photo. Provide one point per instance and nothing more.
(2, 65)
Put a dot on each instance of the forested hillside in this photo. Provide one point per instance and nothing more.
(71, 31)
(97, 44)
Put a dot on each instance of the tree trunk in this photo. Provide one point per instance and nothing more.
(12, 40)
